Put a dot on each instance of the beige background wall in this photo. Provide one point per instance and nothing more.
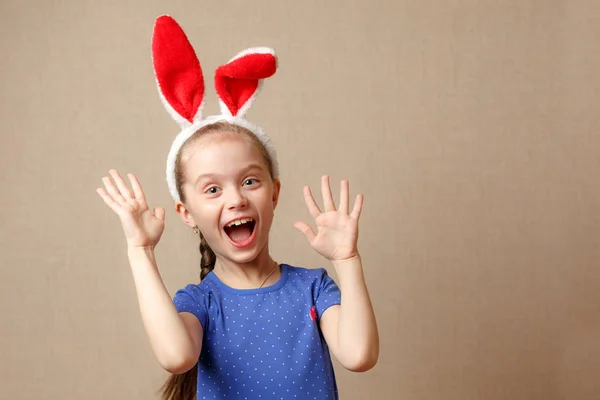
(470, 126)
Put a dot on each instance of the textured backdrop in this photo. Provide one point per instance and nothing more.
(471, 127)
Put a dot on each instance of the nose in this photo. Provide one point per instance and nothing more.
(236, 200)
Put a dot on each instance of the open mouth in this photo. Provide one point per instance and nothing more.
(241, 231)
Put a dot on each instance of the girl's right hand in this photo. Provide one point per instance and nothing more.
(143, 228)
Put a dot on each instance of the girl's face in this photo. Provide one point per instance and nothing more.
(229, 194)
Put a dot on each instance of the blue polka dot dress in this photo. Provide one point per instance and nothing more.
(264, 343)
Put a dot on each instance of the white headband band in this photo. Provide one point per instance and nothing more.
(181, 88)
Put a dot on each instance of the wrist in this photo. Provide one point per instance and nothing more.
(355, 259)
(348, 266)
(137, 251)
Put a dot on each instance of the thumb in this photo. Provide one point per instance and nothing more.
(159, 212)
(306, 230)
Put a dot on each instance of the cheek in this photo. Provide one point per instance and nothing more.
(267, 210)
(206, 215)
(210, 231)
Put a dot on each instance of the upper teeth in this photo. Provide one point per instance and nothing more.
(239, 221)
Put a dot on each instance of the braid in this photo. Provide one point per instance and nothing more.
(207, 258)
(183, 386)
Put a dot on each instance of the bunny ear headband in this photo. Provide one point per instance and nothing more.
(181, 88)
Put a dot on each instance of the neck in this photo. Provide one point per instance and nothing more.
(248, 275)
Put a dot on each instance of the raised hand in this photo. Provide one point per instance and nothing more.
(337, 230)
(142, 227)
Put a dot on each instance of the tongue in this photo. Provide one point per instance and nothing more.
(240, 233)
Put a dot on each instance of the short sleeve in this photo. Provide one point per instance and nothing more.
(192, 300)
(328, 293)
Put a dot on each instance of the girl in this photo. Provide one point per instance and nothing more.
(252, 328)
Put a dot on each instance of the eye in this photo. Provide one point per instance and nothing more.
(212, 190)
(250, 182)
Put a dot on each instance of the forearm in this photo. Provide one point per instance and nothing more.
(166, 330)
(358, 338)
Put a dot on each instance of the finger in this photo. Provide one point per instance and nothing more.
(159, 212)
(344, 189)
(138, 192)
(306, 230)
(358, 204)
(113, 205)
(125, 192)
(312, 206)
(112, 190)
(327, 196)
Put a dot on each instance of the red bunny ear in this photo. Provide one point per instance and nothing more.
(178, 71)
(238, 81)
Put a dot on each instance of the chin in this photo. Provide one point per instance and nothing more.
(246, 254)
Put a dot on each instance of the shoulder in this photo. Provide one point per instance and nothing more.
(317, 283)
(192, 289)
(306, 275)
(198, 292)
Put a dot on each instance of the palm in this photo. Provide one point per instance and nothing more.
(142, 227)
(337, 230)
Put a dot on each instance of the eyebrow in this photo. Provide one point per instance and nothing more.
(216, 175)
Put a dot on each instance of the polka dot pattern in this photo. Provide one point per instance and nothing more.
(263, 343)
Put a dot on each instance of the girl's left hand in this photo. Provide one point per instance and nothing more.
(337, 231)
